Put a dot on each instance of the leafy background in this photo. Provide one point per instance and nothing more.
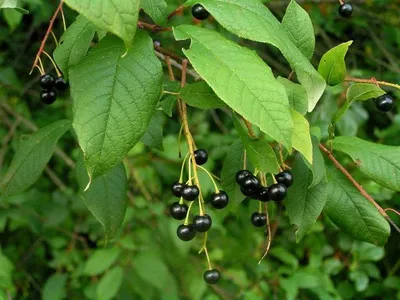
(53, 248)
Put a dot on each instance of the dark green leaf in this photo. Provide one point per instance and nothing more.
(55, 287)
(318, 164)
(156, 9)
(297, 95)
(100, 260)
(200, 95)
(232, 164)
(153, 137)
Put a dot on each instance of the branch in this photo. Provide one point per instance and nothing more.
(372, 81)
(153, 27)
(177, 65)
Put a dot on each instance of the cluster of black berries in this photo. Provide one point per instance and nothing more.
(251, 187)
(199, 12)
(384, 103)
(50, 86)
(345, 10)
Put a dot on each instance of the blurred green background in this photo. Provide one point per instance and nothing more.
(52, 248)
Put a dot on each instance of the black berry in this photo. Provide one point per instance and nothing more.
(250, 186)
(345, 10)
(241, 176)
(202, 223)
(258, 219)
(384, 103)
(253, 194)
(199, 12)
(212, 276)
(219, 200)
(178, 211)
(176, 189)
(46, 81)
(263, 194)
(201, 156)
(60, 84)
(285, 177)
(190, 192)
(48, 96)
(186, 232)
(277, 192)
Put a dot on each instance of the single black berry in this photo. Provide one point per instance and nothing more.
(46, 81)
(250, 186)
(201, 156)
(241, 176)
(202, 223)
(384, 103)
(178, 211)
(253, 194)
(176, 189)
(186, 232)
(277, 192)
(48, 96)
(219, 200)
(258, 219)
(190, 192)
(212, 276)
(60, 84)
(263, 194)
(285, 177)
(345, 10)
(199, 12)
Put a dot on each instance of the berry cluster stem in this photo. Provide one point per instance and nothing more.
(204, 248)
(372, 81)
(269, 235)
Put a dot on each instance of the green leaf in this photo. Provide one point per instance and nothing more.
(318, 164)
(200, 95)
(114, 100)
(251, 90)
(55, 287)
(6, 272)
(381, 163)
(105, 197)
(156, 9)
(153, 137)
(251, 19)
(297, 95)
(31, 157)
(116, 16)
(285, 256)
(74, 44)
(260, 153)
(110, 283)
(297, 24)
(12, 17)
(363, 91)
(301, 138)
(332, 66)
(304, 204)
(353, 213)
(233, 162)
(100, 260)
(167, 101)
(14, 4)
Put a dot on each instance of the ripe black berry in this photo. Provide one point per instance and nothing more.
(263, 194)
(384, 103)
(250, 186)
(186, 232)
(253, 194)
(258, 219)
(190, 192)
(212, 276)
(199, 12)
(60, 84)
(202, 223)
(285, 177)
(219, 200)
(176, 189)
(178, 211)
(345, 10)
(48, 96)
(277, 192)
(241, 176)
(46, 81)
(201, 156)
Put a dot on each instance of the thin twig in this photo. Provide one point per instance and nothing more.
(372, 81)
(57, 181)
(249, 128)
(177, 65)
(169, 66)
(269, 235)
(176, 11)
(152, 27)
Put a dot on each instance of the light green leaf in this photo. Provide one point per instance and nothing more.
(353, 213)
(200, 95)
(114, 100)
(381, 163)
(116, 16)
(297, 95)
(301, 138)
(153, 137)
(318, 164)
(363, 91)
(31, 157)
(105, 197)
(14, 4)
(74, 44)
(233, 162)
(332, 66)
(297, 24)
(251, 90)
(251, 19)
(100, 260)
(110, 283)
(54, 288)
(6, 272)
(259, 152)
(304, 204)
(156, 9)
(12, 17)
